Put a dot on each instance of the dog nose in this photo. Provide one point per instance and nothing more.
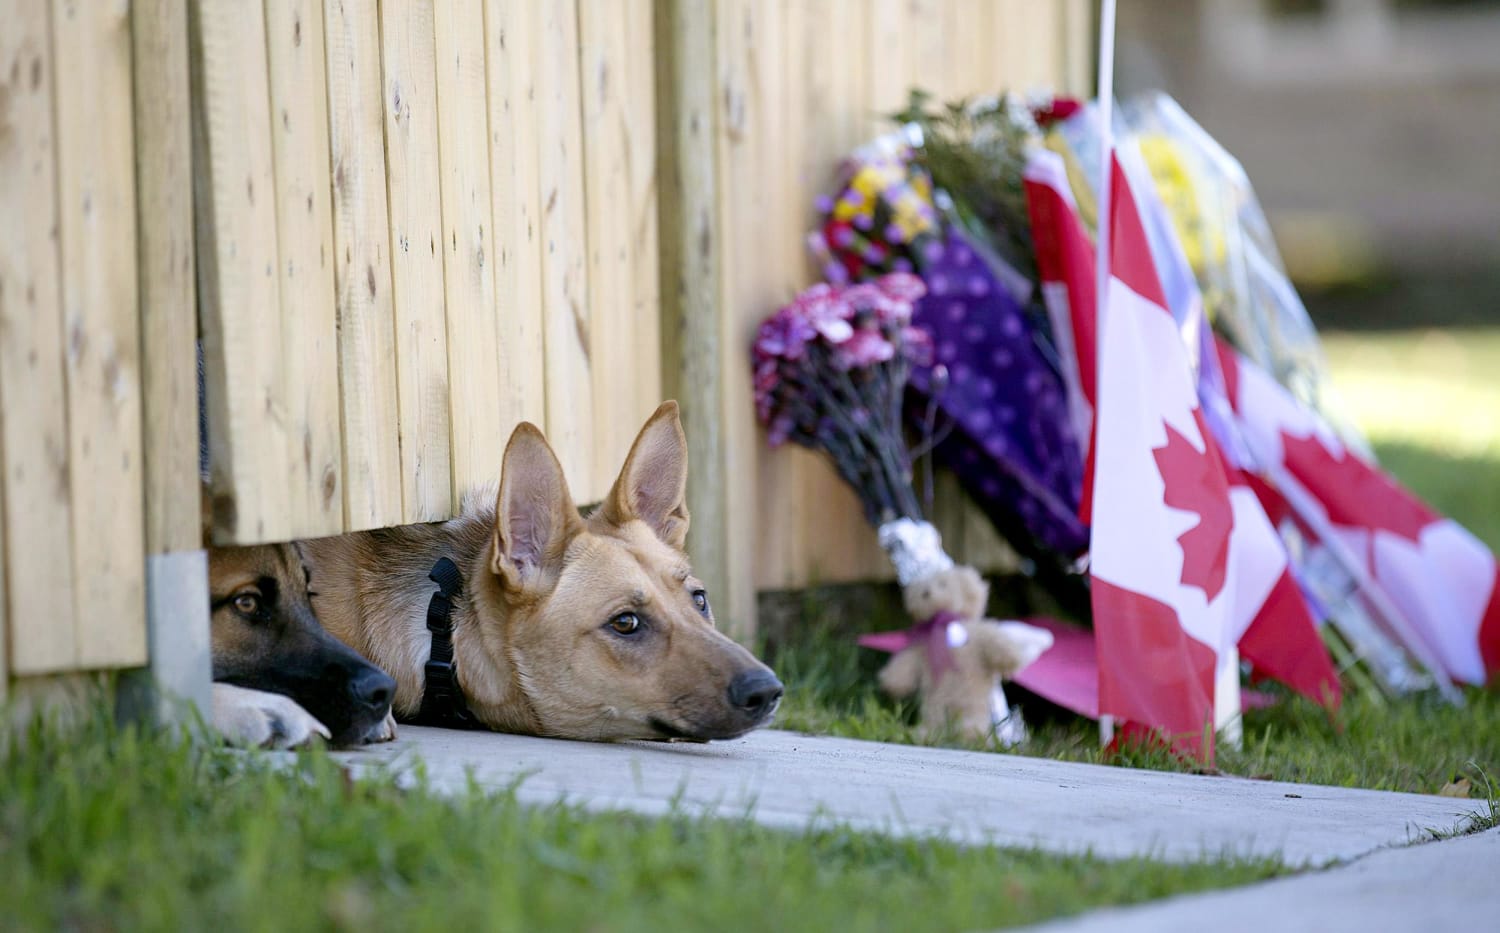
(372, 687)
(755, 692)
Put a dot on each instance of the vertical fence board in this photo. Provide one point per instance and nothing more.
(892, 55)
(96, 214)
(468, 241)
(34, 456)
(619, 156)
(644, 194)
(1076, 68)
(234, 187)
(512, 48)
(4, 616)
(169, 315)
(780, 546)
(690, 272)
(748, 138)
(565, 291)
(361, 240)
(839, 543)
(413, 172)
(308, 313)
(964, 23)
(413, 180)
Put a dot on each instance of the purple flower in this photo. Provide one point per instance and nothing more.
(780, 430)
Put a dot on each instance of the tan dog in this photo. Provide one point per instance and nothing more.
(279, 678)
(586, 628)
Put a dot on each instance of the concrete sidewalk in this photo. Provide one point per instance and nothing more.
(792, 781)
(1449, 885)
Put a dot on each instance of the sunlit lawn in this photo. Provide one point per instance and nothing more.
(1429, 400)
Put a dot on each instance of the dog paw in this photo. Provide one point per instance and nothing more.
(385, 732)
(256, 719)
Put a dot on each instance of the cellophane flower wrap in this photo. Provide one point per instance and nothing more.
(831, 370)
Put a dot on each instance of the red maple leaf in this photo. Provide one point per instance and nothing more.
(1195, 483)
(1354, 492)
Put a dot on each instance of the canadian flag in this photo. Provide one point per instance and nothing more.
(1431, 571)
(1246, 595)
(1162, 514)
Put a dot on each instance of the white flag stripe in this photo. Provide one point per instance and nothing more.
(1144, 386)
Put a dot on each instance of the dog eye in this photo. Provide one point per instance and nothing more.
(700, 599)
(626, 623)
(247, 604)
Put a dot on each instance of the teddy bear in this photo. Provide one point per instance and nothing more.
(955, 658)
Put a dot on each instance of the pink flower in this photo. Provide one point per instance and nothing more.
(783, 335)
(866, 347)
(902, 286)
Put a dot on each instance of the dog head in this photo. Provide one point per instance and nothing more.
(266, 637)
(607, 632)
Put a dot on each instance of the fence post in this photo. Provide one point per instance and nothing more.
(176, 565)
(694, 323)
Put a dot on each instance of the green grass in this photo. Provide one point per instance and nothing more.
(108, 829)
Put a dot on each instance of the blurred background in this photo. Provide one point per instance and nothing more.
(1368, 128)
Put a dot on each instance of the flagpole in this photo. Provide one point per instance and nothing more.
(1106, 103)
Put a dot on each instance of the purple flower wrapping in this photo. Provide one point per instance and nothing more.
(1003, 408)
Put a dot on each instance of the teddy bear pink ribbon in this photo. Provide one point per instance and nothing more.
(933, 632)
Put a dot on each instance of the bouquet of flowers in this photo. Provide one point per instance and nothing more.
(831, 369)
(989, 401)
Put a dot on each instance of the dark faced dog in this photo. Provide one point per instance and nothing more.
(266, 640)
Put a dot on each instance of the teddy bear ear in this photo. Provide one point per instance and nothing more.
(976, 592)
(1007, 647)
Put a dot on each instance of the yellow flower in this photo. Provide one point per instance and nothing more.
(1195, 216)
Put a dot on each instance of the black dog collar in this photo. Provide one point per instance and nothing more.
(442, 699)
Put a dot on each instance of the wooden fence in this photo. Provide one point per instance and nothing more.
(400, 228)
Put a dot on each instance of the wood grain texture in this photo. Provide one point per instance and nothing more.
(619, 158)
(468, 241)
(97, 224)
(169, 313)
(747, 144)
(565, 288)
(692, 326)
(512, 47)
(304, 226)
(34, 454)
(413, 182)
(362, 269)
(238, 285)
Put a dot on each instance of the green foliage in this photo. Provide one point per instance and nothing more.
(976, 151)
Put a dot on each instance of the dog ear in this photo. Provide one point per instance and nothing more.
(534, 512)
(652, 485)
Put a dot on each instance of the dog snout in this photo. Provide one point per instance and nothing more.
(372, 688)
(755, 693)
